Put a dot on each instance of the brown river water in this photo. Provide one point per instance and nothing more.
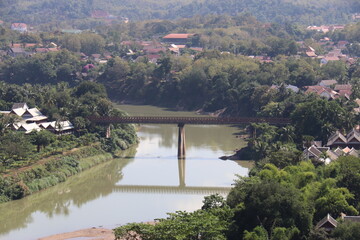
(146, 183)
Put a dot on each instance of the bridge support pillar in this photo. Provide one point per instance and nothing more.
(181, 141)
(108, 132)
(181, 166)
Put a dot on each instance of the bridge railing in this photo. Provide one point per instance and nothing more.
(188, 120)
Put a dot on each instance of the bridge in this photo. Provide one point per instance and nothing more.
(181, 121)
(190, 120)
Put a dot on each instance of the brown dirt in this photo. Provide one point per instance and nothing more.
(90, 233)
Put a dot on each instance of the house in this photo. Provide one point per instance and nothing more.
(28, 115)
(326, 59)
(322, 154)
(311, 54)
(20, 27)
(328, 223)
(178, 38)
(292, 88)
(18, 52)
(33, 120)
(28, 127)
(324, 92)
(351, 140)
(337, 139)
(346, 218)
(19, 105)
(58, 127)
(328, 83)
(342, 87)
(344, 90)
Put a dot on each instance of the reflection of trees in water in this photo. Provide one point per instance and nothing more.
(79, 189)
(214, 136)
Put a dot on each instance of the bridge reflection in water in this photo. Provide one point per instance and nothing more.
(181, 189)
(181, 121)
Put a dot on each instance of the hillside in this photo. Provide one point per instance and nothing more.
(77, 13)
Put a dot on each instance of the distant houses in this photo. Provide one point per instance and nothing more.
(31, 119)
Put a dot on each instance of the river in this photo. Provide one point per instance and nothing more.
(147, 182)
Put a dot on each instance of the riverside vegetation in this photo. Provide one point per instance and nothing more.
(38, 156)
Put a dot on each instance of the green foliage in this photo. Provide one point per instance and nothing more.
(347, 230)
(52, 172)
(51, 67)
(178, 226)
(258, 233)
(42, 139)
(78, 13)
(15, 146)
(320, 118)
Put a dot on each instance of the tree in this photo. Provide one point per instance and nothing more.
(258, 233)
(213, 201)
(271, 204)
(178, 226)
(15, 146)
(91, 43)
(348, 175)
(319, 118)
(347, 230)
(42, 139)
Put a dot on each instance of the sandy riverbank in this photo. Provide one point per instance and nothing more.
(84, 234)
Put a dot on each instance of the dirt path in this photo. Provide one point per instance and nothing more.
(40, 162)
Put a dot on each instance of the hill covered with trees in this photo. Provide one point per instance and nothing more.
(71, 13)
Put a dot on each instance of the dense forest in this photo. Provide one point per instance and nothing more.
(70, 13)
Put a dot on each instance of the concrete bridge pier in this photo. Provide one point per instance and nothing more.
(108, 131)
(181, 141)
(181, 167)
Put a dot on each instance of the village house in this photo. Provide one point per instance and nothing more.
(20, 27)
(18, 52)
(178, 38)
(58, 127)
(328, 83)
(346, 218)
(328, 223)
(322, 91)
(350, 140)
(31, 119)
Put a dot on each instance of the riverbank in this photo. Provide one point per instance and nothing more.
(50, 171)
(90, 233)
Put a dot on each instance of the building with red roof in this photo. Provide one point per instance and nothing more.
(178, 38)
(21, 27)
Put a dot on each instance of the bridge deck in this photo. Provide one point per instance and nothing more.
(189, 120)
